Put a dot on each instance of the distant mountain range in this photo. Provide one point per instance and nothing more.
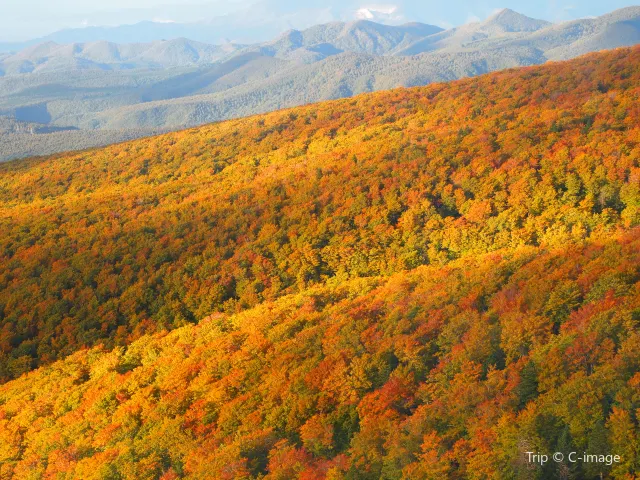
(306, 46)
(179, 83)
(103, 55)
(142, 32)
(220, 30)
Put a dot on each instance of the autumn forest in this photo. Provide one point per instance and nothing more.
(420, 283)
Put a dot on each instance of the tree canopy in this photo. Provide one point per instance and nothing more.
(422, 283)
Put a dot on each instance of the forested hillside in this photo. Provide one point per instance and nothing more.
(104, 246)
(422, 283)
(441, 372)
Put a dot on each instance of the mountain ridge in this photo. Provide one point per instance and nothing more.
(507, 20)
(104, 55)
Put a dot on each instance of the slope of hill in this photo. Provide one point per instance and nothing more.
(50, 140)
(25, 139)
(338, 76)
(451, 372)
(9, 125)
(567, 40)
(244, 85)
(45, 99)
(103, 246)
(336, 60)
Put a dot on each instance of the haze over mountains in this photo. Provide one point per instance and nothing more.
(102, 55)
(178, 83)
(143, 32)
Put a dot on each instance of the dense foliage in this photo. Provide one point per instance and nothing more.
(441, 372)
(104, 246)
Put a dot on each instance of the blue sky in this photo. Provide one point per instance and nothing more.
(24, 19)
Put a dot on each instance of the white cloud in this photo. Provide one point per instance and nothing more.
(379, 12)
(162, 20)
(444, 24)
(473, 18)
(364, 14)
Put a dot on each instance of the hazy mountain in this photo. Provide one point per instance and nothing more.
(362, 36)
(178, 83)
(507, 21)
(338, 76)
(505, 24)
(102, 55)
(214, 32)
(570, 39)
(10, 125)
(24, 139)
(245, 22)
(303, 46)
(563, 41)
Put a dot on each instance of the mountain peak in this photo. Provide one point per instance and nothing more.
(363, 24)
(506, 12)
(508, 21)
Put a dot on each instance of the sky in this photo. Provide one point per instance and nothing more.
(26, 19)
